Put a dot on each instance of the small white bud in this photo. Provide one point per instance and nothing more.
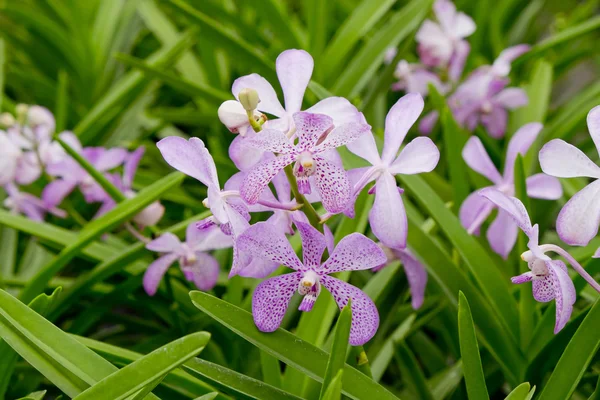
(234, 117)
(249, 99)
(21, 110)
(6, 120)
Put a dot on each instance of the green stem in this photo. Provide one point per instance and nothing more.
(309, 210)
(359, 356)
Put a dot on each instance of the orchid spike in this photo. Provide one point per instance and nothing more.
(24, 203)
(578, 220)
(388, 217)
(416, 274)
(196, 264)
(550, 278)
(271, 298)
(294, 70)
(316, 135)
(502, 233)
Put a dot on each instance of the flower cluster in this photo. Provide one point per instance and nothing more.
(483, 97)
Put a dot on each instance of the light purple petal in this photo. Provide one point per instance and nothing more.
(365, 148)
(502, 234)
(339, 109)
(259, 177)
(577, 222)
(313, 244)
(593, 123)
(563, 160)
(131, 166)
(478, 159)
(564, 293)
(271, 140)
(206, 239)
(416, 275)
(542, 186)
(109, 159)
(256, 267)
(398, 121)
(365, 317)
(243, 156)
(388, 216)
(420, 155)
(543, 289)
(495, 122)
(56, 191)
(310, 128)
(329, 239)
(282, 187)
(342, 135)
(268, 98)
(190, 157)
(510, 205)
(165, 243)
(526, 277)
(458, 59)
(204, 272)
(520, 144)
(294, 69)
(501, 65)
(332, 184)
(511, 98)
(156, 271)
(28, 169)
(271, 298)
(428, 122)
(354, 252)
(237, 218)
(265, 241)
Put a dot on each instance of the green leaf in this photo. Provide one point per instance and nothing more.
(147, 369)
(385, 355)
(355, 27)
(208, 396)
(278, 16)
(287, 347)
(193, 89)
(271, 369)
(9, 240)
(596, 394)
(319, 18)
(410, 367)
(520, 392)
(359, 72)
(35, 395)
(575, 359)
(2, 63)
(334, 389)
(62, 97)
(121, 213)
(142, 393)
(337, 357)
(469, 351)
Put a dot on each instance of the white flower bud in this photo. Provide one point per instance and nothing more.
(249, 99)
(234, 117)
(7, 120)
(21, 110)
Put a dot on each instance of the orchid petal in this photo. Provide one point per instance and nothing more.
(398, 121)
(478, 159)
(542, 186)
(593, 123)
(502, 234)
(271, 140)
(190, 157)
(354, 252)
(131, 165)
(563, 160)
(269, 102)
(204, 272)
(416, 275)
(109, 159)
(271, 299)
(259, 177)
(510, 205)
(526, 277)
(243, 156)
(156, 271)
(332, 184)
(457, 61)
(520, 144)
(511, 98)
(294, 69)
(365, 148)
(310, 128)
(165, 243)
(343, 135)
(365, 317)
(388, 216)
(313, 244)
(428, 122)
(339, 109)
(420, 155)
(564, 293)
(55, 192)
(577, 222)
(495, 122)
(501, 66)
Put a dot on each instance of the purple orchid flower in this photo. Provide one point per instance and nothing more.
(502, 233)
(196, 264)
(388, 217)
(271, 298)
(442, 44)
(415, 78)
(416, 274)
(24, 203)
(316, 135)
(17, 165)
(294, 70)
(550, 278)
(71, 175)
(578, 220)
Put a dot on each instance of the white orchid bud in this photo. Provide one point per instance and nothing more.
(7, 120)
(150, 215)
(21, 110)
(249, 99)
(233, 115)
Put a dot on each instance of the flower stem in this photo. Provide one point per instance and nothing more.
(309, 210)
(362, 361)
(576, 266)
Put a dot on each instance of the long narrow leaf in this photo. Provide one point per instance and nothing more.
(337, 357)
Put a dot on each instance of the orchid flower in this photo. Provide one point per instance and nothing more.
(71, 175)
(294, 70)
(196, 264)
(415, 78)
(315, 136)
(502, 233)
(550, 278)
(578, 220)
(415, 272)
(388, 217)
(17, 165)
(271, 298)
(442, 44)
(24, 203)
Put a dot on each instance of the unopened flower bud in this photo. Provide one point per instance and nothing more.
(6, 120)
(234, 117)
(249, 99)
(21, 110)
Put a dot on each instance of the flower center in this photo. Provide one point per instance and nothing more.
(539, 269)
(486, 107)
(304, 167)
(310, 288)
(189, 256)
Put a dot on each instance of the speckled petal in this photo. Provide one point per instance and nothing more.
(388, 216)
(313, 244)
(354, 252)
(156, 271)
(526, 277)
(342, 135)
(271, 140)
(563, 160)
(333, 185)
(398, 121)
(310, 128)
(294, 69)
(265, 241)
(478, 159)
(271, 298)
(190, 157)
(577, 222)
(365, 318)
(564, 293)
(259, 177)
